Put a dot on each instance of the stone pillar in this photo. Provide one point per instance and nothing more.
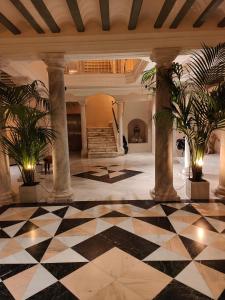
(83, 130)
(220, 190)
(186, 169)
(61, 165)
(5, 181)
(120, 123)
(164, 190)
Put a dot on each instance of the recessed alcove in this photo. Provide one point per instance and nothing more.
(137, 131)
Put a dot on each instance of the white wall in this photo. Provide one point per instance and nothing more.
(138, 110)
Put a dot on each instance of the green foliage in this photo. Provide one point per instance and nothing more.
(25, 133)
(197, 99)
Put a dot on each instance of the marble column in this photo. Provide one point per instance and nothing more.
(5, 180)
(120, 124)
(61, 165)
(187, 162)
(220, 190)
(163, 190)
(83, 130)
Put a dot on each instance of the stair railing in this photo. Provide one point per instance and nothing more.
(115, 127)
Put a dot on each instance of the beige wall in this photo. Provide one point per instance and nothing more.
(99, 110)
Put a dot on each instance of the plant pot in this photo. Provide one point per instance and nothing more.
(31, 194)
(197, 190)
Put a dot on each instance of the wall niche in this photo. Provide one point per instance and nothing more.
(137, 131)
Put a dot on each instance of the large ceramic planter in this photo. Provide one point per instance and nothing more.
(31, 194)
(197, 190)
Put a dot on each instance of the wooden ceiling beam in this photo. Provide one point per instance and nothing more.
(75, 13)
(134, 14)
(9, 25)
(104, 8)
(206, 13)
(182, 13)
(165, 10)
(46, 15)
(25, 13)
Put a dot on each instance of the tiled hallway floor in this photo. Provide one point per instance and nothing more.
(130, 177)
(128, 250)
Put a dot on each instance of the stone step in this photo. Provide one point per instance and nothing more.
(98, 128)
(105, 145)
(111, 149)
(102, 154)
(92, 135)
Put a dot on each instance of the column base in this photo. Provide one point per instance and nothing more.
(164, 196)
(61, 197)
(6, 198)
(220, 192)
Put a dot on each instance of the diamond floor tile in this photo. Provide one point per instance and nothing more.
(120, 250)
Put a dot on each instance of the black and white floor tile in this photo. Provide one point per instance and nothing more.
(108, 174)
(113, 250)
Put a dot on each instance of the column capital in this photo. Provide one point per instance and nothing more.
(164, 56)
(54, 60)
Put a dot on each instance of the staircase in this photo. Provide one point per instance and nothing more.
(101, 142)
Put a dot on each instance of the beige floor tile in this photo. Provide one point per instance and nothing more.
(145, 281)
(116, 262)
(176, 245)
(116, 291)
(87, 281)
(141, 227)
(214, 279)
(18, 283)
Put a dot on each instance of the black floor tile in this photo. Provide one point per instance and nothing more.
(67, 224)
(129, 242)
(39, 212)
(38, 250)
(171, 268)
(218, 265)
(4, 293)
(203, 223)
(60, 270)
(9, 270)
(56, 291)
(94, 246)
(193, 247)
(168, 209)
(162, 222)
(178, 291)
(28, 226)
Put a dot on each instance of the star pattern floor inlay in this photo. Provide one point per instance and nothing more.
(108, 174)
(106, 250)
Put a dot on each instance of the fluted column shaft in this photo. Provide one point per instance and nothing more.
(61, 165)
(83, 130)
(220, 190)
(164, 190)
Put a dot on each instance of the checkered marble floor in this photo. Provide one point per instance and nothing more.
(128, 250)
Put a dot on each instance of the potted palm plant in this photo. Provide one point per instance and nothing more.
(198, 106)
(25, 133)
